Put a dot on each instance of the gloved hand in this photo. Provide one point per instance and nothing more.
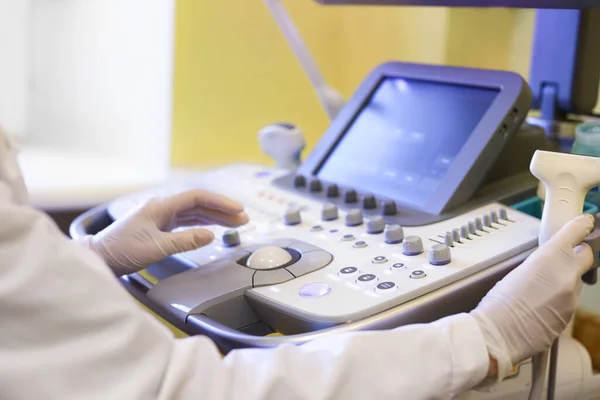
(527, 310)
(144, 236)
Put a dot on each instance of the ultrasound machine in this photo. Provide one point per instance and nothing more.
(416, 200)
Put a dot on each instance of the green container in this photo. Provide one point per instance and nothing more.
(533, 206)
(587, 143)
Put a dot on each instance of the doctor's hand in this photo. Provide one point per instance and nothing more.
(527, 310)
(145, 236)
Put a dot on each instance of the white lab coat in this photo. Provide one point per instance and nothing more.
(68, 330)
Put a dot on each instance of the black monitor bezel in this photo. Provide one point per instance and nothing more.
(536, 4)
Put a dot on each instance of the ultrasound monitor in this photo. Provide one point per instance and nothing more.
(406, 137)
(415, 138)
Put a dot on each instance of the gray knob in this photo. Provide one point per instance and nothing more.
(487, 221)
(393, 234)
(315, 185)
(332, 190)
(494, 217)
(369, 202)
(292, 217)
(439, 254)
(412, 245)
(354, 217)
(375, 224)
(389, 208)
(350, 196)
(299, 181)
(471, 227)
(478, 224)
(464, 232)
(231, 238)
(503, 214)
(456, 235)
(448, 239)
(329, 212)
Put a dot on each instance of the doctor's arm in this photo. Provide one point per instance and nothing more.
(70, 331)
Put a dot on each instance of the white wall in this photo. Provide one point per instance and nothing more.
(14, 27)
(100, 77)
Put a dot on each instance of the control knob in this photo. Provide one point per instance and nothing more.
(412, 246)
(292, 217)
(231, 238)
(389, 208)
(299, 181)
(393, 234)
(315, 185)
(350, 196)
(333, 190)
(375, 224)
(369, 202)
(329, 212)
(449, 239)
(354, 217)
(439, 254)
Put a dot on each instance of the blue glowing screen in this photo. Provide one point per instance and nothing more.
(405, 138)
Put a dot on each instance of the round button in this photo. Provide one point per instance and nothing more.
(348, 272)
(393, 234)
(292, 217)
(397, 266)
(366, 279)
(354, 217)
(315, 185)
(316, 289)
(333, 190)
(375, 225)
(329, 212)
(316, 228)
(418, 274)
(369, 202)
(379, 260)
(299, 181)
(350, 196)
(360, 244)
(439, 254)
(348, 238)
(412, 246)
(268, 257)
(389, 208)
(231, 238)
(386, 287)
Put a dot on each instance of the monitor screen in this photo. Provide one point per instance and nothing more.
(407, 135)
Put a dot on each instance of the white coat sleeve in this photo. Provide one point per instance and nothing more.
(68, 330)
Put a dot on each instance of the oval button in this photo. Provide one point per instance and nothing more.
(315, 289)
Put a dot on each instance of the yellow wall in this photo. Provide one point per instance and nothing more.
(234, 72)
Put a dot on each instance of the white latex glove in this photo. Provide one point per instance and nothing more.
(527, 310)
(145, 236)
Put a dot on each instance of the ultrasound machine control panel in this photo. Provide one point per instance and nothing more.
(382, 213)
